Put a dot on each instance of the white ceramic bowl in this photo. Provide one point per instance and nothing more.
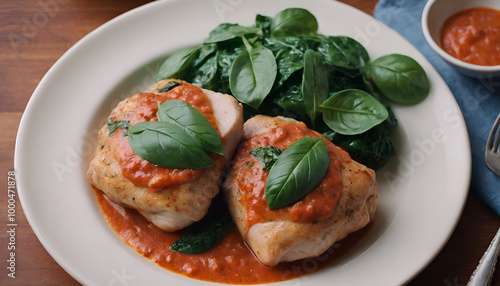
(435, 14)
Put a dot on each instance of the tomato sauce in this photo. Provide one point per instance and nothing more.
(140, 171)
(230, 262)
(473, 36)
(316, 205)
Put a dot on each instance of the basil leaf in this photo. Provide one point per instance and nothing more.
(177, 64)
(267, 155)
(205, 235)
(169, 85)
(293, 22)
(113, 126)
(193, 122)
(227, 31)
(353, 111)
(314, 83)
(298, 170)
(252, 74)
(400, 78)
(167, 145)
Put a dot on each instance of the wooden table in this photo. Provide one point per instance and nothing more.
(34, 34)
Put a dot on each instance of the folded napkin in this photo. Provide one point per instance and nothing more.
(479, 99)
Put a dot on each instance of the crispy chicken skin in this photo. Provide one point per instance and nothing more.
(175, 207)
(276, 241)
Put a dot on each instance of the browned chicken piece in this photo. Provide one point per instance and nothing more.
(313, 224)
(170, 198)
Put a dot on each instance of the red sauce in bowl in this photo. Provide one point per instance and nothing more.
(473, 36)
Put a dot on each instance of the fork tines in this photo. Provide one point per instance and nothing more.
(493, 146)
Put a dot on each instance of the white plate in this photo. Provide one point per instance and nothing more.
(422, 190)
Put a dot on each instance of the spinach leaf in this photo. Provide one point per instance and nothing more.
(178, 63)
(252, 74)
(227, 31)
(298, 170)
(207, 51)
(267, 155)
(206, 74)
(204, 71)
(168, 145)
(113, 126)
(204, 235)
(353, 111)
(293, 22)
(227, 53)
(193, 122)
(171, 84)
(289, 61)
(264, 23)
(340, 79)
(211, 69)
(373, 147)
(343, 52)
(262, 65)
(289, 96)
(314, 84)
(400, 78)
(289, 56)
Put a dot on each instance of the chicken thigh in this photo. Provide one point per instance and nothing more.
(170, 198)
(345, 201)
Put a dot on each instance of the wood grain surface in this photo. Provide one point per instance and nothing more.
(35, 33)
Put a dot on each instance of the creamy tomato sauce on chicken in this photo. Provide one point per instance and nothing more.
(141, 172)
(316, 205)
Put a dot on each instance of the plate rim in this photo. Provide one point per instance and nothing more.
(37, 95)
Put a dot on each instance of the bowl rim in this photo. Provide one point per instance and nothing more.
(437, 48)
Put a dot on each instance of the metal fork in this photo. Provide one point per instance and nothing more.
(484, 271)
(492, 151)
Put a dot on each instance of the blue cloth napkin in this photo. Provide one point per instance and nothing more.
(479, 99)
